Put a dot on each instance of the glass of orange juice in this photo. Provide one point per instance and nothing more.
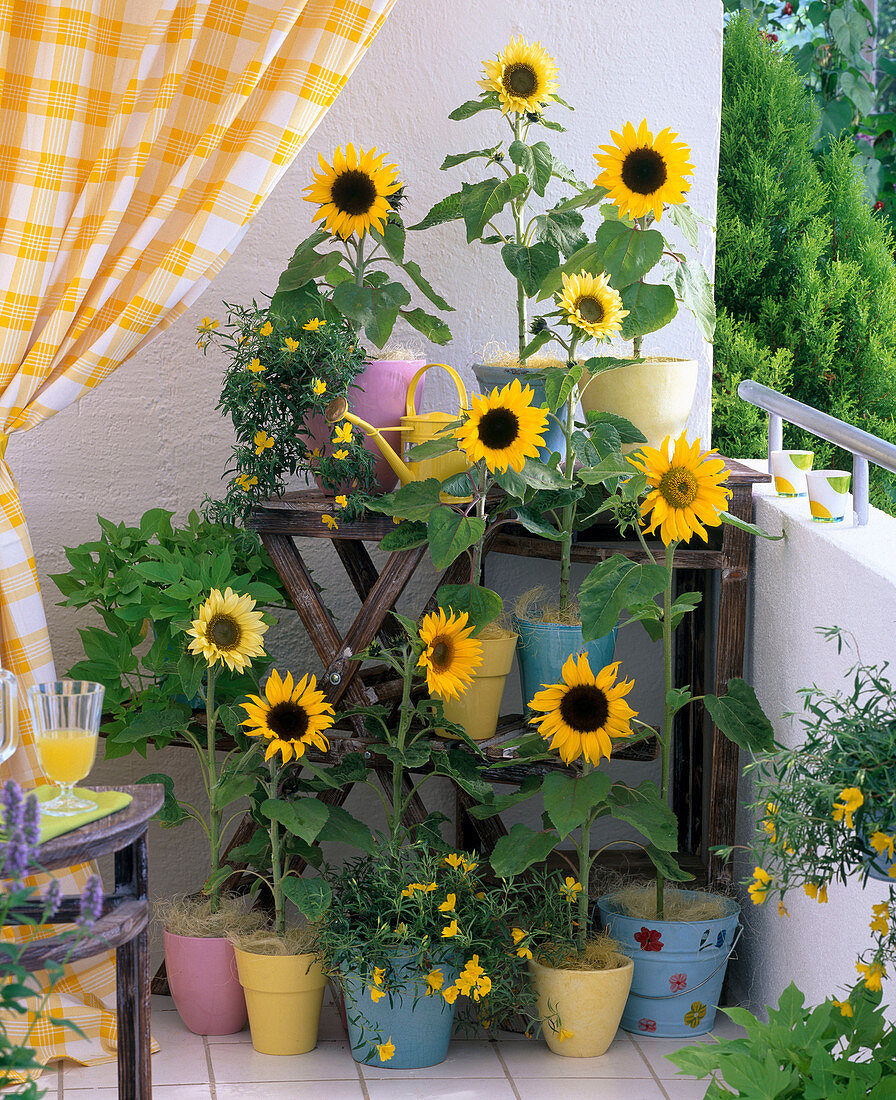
(66, 716)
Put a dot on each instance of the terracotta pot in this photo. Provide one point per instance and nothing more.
(478, 708)
(586, 1003)
(284, 994)
(656, 395)
(204, 984)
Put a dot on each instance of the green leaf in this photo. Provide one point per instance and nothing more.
(539, 476)
(536, 161)
(856, 88)
(591, 197)
(693, 287)
(650, 306)
(570, 800)
(393, 240)
(627, 254)
(530, 263)
(450, 534)
(520, 849)
(835, 118)
(513, 483)
(643, 808)
(432, 448)
(488, 101)
(454, 159)
(683, 217)
(743, 525)
(407, 536)
(311, 896)
(373, 308)
(481, 604)
(559, 383)
(449, 209)
(464, 769)
(534, 522)
(610, 587)
(232, 787)
(667, 865)
(740, 717)
(341, 828)
(303, 818)
(628, 433)
(433, 328)
(171, 813)
(307, 264)
(686, 602)
(537, 342)
(482, 201)
(561, 228)
(412, 501)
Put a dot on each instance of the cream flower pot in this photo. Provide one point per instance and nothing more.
(580, 1010)
(656, 395)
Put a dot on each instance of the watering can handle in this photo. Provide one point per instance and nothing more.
(458, 381)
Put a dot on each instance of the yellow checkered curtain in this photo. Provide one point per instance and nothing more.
(137, 140)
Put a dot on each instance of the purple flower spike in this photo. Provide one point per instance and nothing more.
(16, 856)
(13, 805)
(31, 821)
(52, 898)
(91, 902)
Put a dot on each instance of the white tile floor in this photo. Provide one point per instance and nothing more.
(190, 1067)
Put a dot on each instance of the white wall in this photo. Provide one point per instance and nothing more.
(150, 435)
(819, 576)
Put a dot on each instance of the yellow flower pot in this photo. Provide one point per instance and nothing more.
(283, 995)
(656, 395)
(478, 708)
(580, 1010)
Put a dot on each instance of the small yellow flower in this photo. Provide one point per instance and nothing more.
(450, 930)
(340, 454)
(872, 974)
(448, 904)
(313, 325)
(334, 526)
(319, 386)
(450, 994)
(817, 892)
(376, 994)
(459, 862)
(207, 325)
(758, 888)
(881, 843)
(343, 434)
(782, 912)
(378, 974)
(386, 1050)
(290, 344)
(435, 979)
(245, 482)
(852, 799)
(255, 365)
(844, 1006)
(262, 442)
(570, 888)
(881, 921)
(562, 1035)
(342, 500)
(266, 329)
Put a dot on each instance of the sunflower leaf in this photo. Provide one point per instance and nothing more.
(306, 264)
(628, 433)
(643, 808)
(450, 534)
(412, 501)
(683, 217)
(406, 536)
(650, 306)
(311, 896)
(482, 201)
(488, 101)
(559, 384)
(588, 258)
(561, 228)
(628, 254)
(393, 240)
(533, 522)
(453, 159)
(693, 287)
(571, 799)
(591, 197)
(549, 124)
(543, 337)
(519, 849)
(433, 328)
(743, 525)
(481, 604)
(304, 817)
(740, 717)
(540, 476)
(529, 263)
(667, 865)
(536, 161)
(449, 209)
(613, 585)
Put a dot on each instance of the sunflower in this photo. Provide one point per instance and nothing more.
(450, 656)
(687, 489)
(642, 172)
(592, 304)
(584, 712)
(504, 428)
(293, 716)
(524, 75)
(353, 192)
(228, 629)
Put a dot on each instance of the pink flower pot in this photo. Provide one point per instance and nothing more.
(204, 984)
(379, 396)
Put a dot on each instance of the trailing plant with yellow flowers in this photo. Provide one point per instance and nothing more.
(358, 198)
(280, 378)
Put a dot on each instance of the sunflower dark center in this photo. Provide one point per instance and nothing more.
(644, 171)
(442, 652)
(499, 428)
(678, 486)
(224, 631)
(353, 192)
(590, 310)
(520, 80)
(584, 708)
(288, 720)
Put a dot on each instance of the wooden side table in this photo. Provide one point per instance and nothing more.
(122, 925)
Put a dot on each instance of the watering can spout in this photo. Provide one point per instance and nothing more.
(338, 410)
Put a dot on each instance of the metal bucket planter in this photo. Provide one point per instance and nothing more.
(544, 647)
(417, 1025)
(679, 968)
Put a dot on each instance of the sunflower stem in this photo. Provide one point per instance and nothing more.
(404, 720)
(359, 267)
(668, 712)
(276, 856)
(519, 207)
(481, 494)
(215, 811)
(568, 516)
(584, 871)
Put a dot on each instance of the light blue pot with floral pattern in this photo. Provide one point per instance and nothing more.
(679, 968)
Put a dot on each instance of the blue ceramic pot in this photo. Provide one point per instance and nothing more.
(679, 968)
(418, 1026)
(544, 647)
(490, 375)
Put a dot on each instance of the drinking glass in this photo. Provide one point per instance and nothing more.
(66, 715)
(9, 714)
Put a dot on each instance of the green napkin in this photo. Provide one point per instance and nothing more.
(107, 802)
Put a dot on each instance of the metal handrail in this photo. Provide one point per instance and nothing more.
(863, 446)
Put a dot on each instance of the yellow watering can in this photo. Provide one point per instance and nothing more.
(415, 428)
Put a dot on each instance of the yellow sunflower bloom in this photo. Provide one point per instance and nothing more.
(290, 716)
(851, 799)
(263, 442)
(228, 630)
(584, 712)
(503, 428)
(524, 75)
(642, 172)
(759, 887)
(872, 974)
(319, 387)
(686, 489)
(386, 1050)
(266, 329)
(255, 365)
(844, 1006)
(352, 194)
(290, 344)
(590, 303)
(882, 843)
(313, 325)
(450, 655)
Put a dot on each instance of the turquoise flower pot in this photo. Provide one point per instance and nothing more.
(417, 1025)
(490, 375)
(679, 968)
(544, 647)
